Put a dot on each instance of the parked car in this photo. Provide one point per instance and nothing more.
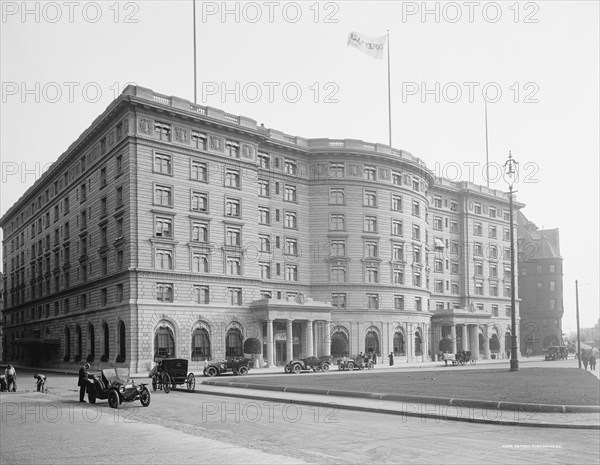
(237, 366)
(556, 353)
(308, 364)
(115, 385)
(358, 362)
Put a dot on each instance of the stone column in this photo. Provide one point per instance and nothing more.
(316, 331)
(327, 339)
(309, 338)
(475, 352)
(453, 337)
(410, 343)
(270, 343)
(289, 341)
(486, 342)
(465, 337)
(425, 344)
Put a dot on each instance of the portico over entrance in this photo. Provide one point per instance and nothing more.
(293, 328)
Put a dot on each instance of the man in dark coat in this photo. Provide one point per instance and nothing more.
(83, 381)
(391, 357)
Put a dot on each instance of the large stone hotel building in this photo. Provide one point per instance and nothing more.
(170, 228)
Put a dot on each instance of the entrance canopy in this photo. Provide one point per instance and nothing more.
(297, 308)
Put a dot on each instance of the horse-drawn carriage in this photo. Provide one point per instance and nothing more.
(170, 372)
(461, 358)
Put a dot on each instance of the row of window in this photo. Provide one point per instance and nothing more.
(480, 307)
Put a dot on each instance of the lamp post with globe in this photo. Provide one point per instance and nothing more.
(510, 171)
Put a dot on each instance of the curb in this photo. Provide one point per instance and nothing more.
(468, 403)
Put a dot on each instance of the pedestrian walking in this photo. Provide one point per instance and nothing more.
(592, 361)
(11, 378)
(40, 382)
(374, 358)
(391, 357)
(585, 359)
(83, 381)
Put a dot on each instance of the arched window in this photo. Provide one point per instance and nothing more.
(122, 343)
(340, 346)
(91, 343)
(164, 343)
(371, 342)
(200, 344)
(79, 342)
(418, 343)
(106, 342)
(233, 343)
(399, 344)
(494, 344)
(67, 344)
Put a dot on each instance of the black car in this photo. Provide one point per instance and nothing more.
(115, 385)
(237, 366)
(308, 364)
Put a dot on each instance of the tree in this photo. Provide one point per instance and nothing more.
(339, 346)
(445, 345)
(252, 346)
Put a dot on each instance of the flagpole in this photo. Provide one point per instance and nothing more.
(195, 95)
(487, 159)
(389, 90)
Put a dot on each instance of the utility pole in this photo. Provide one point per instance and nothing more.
(578, 331)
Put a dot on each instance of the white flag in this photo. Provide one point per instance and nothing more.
(372, 46)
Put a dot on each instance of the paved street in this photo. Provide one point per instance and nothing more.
(185, 427)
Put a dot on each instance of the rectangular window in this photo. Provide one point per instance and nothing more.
(493, 270)
(120, 260)
(233, 236)
(118, 165)
(396, 178)
(290, 167)
(416, 232)
(162, 163)
(493, 231)
(373, 301)
(232, 149)
(494, 310)
(163, 259)
(478, 269)
(162, 131)
(437, 223)
(416, 208)
(338, 274)
(199, 202)
(337, 248)
(454, 227)
(265, 270)
(336, 196)
(399, 302)
(506, 234)
(370, 199)
(119, 228)
(398, 276)
(290, 193)
(202, 294)
(398, 252)
(291, 246)
(418, 304)
(103, 206)
(336, 170)
(199, 171)
(478, 249)
(492, 212)
(265, 243)
(164, 292)
(337, 222)
(200, 262)
(396, 202)
(264, 215)
(119, 197)
(417, 279)
(102, 177)
(477, 208)
(439, 286)
(264, 161)
(163, 227)
(397, 228)
(232, 178)
(233, 208)
(103, 297)
(455, 287)
(263, 188)
(338, 300)
(199, 140)
(415, 184)
(199, 232)
(291, 272)
(477, 229)
(233, 265)
(370, 224)
(291, 220)
(163, 196)
(369, 173)
(437, 201)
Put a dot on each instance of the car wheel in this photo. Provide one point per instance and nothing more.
(243, 370)
(191, 382)
(211, 371)
(297, 369)
(350, 366)
(166, 383)
(287, 369)
(473, 361)
(113, 399)
(340, 367)
(325, 367)
(370, 365)
(145, 397)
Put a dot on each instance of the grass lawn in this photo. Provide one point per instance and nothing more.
(570, 386)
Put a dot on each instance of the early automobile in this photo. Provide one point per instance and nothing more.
(308, 364)
(115, 385)
(237, 366)
(359, 362)
(556, 353)
(171, 372)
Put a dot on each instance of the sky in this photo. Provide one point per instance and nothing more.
(287, 65)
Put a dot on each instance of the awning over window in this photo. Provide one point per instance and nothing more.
(438, 243)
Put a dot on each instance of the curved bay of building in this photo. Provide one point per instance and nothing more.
(170, 229)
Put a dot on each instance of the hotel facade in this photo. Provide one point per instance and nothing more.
(173, 229)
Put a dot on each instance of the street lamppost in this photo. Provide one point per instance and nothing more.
(510, 170)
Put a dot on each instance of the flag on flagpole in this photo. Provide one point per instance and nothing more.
(372, 46)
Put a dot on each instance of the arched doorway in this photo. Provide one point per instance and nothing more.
(233, 343)
(200, 344)
(340, 346)
(398, 342)
(164, 343)
(79, 343)
(372, 342)
(418, 343)
(507, 344)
